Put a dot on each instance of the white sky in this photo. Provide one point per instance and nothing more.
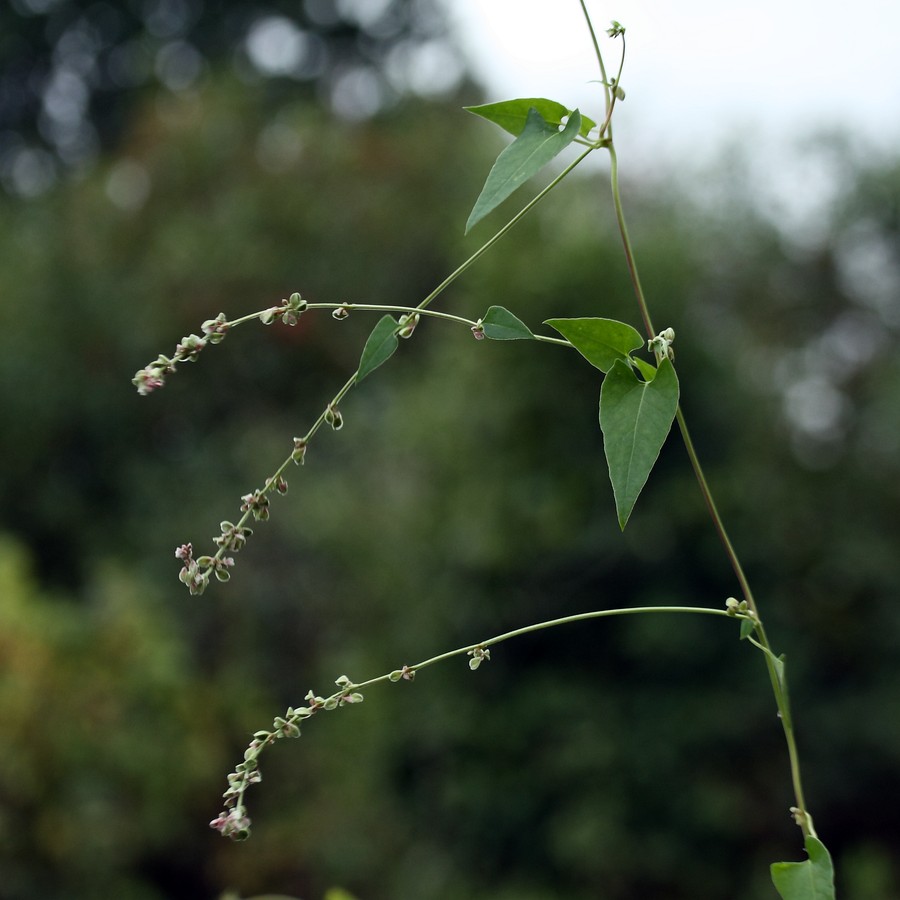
(699, 71)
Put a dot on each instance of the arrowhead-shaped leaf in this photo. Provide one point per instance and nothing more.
(511, 115)
(379, 348)
(538, 143)
(809, 880)
(600, 341)
(635, 417)
(500, 324)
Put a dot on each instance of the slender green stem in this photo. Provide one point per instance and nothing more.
(509, 225)
(542, 626)
(391, 307)
(433, 313)
(566, 620)
(395, 308)
(714, 512)
(779, 686)
(626, 241)
(599, 56)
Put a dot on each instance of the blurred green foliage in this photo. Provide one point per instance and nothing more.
(465, 495)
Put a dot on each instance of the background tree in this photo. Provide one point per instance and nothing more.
(71, 71)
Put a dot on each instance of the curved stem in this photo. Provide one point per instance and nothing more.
(289, 725)
(566, 620)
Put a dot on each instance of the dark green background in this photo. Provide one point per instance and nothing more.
(466, 495)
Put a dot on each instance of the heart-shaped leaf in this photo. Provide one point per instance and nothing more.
(635, 417)
(511, 115)
(380, 346)
(500, 324)
(538, 143)
(809, 880)
(600, 341)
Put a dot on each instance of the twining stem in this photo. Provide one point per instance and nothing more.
(779, 685)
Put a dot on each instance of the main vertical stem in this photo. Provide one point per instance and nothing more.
(626, 241)
(779, 686)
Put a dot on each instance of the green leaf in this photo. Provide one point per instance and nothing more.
(525, 156)
(511, 115)
(635, 417)
(809, 880)
(600, 341)
(500, 324)
(647, 369)
(380, 346)
(747, 627)
(778, 662)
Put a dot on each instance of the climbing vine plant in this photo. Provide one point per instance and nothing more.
(638, 406)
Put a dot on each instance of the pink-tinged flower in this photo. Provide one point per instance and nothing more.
(233, 824)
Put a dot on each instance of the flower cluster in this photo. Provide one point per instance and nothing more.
(479, 655)
(233, 822)
(661, 345)
(192, 573)
(188, 349)
(406, 673)
(333, 417)
(256, 503)
(289, 311)
(232, 537)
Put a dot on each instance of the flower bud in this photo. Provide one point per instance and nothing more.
(299, 453)
(215, 329)
(408, 325)
(190, 347)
